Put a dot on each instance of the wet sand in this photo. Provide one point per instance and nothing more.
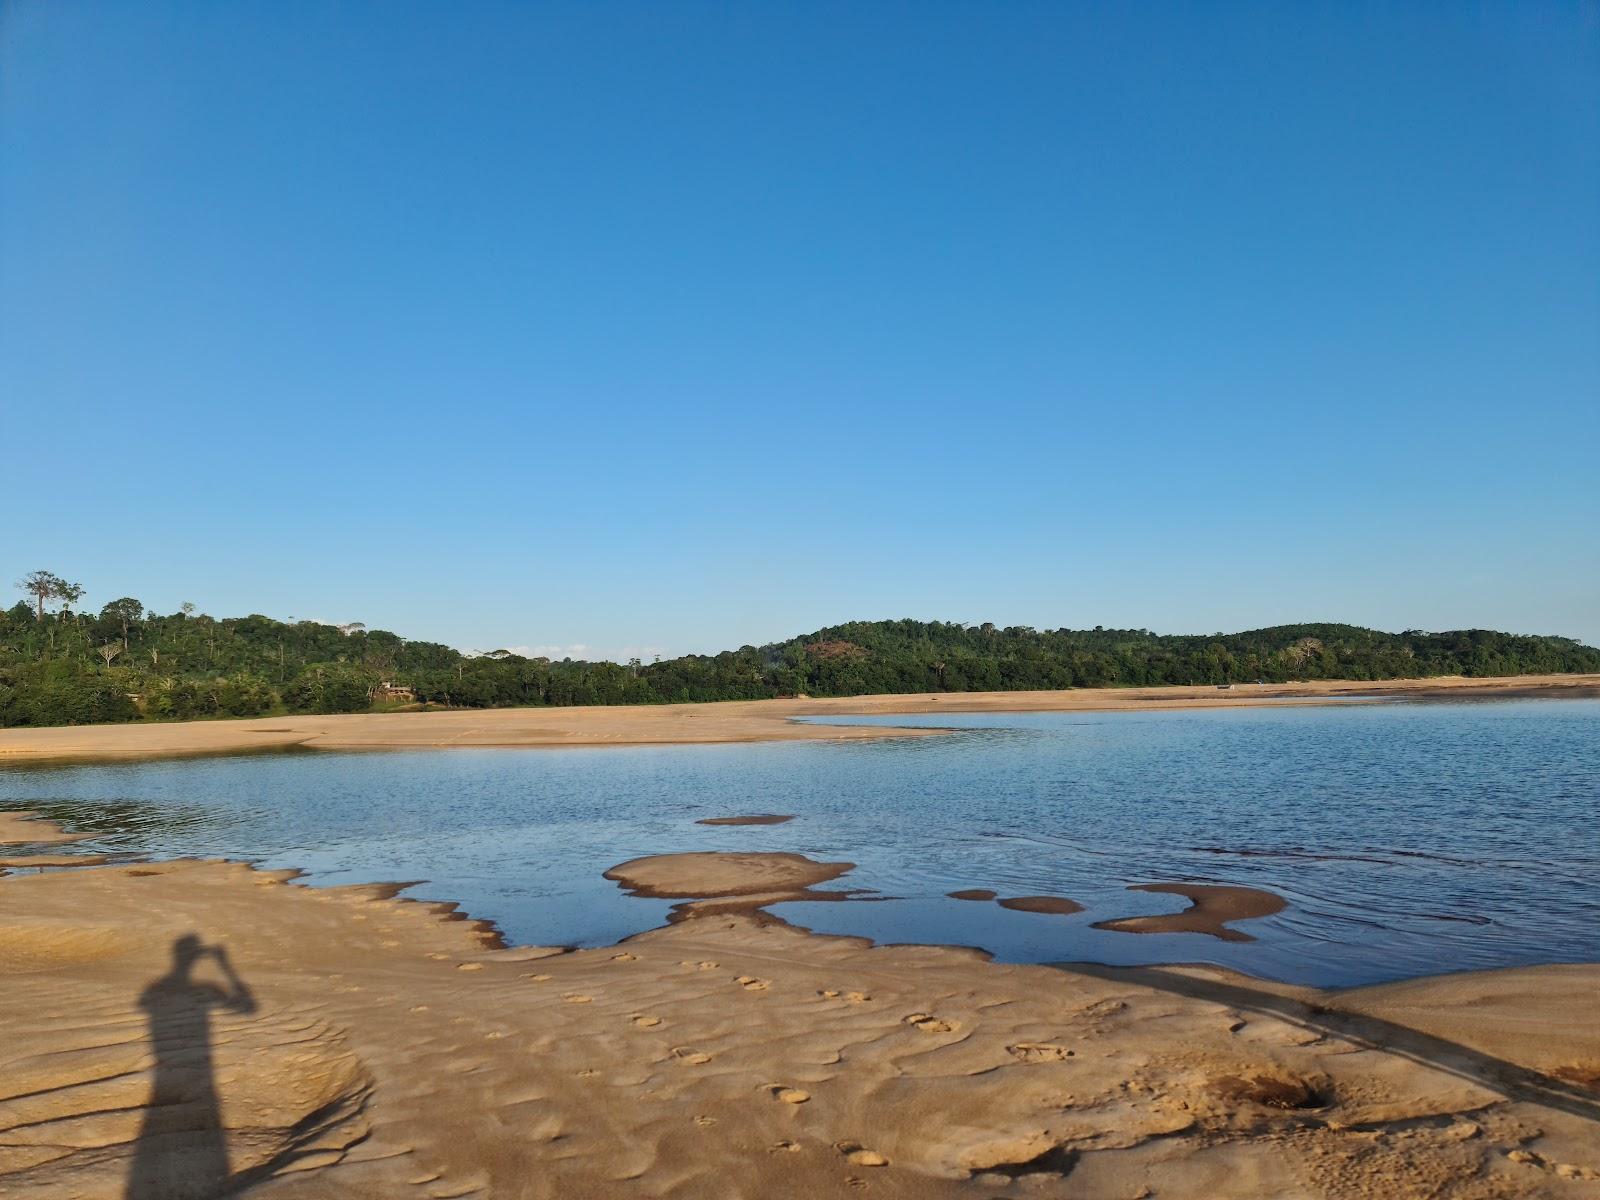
(763, 819)
(731, 721)
(39, 861)
(1211, 908)
(1058, 905)
(26, 828)
(225, 1028)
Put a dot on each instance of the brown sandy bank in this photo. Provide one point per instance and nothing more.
(731, 721)
(201, 1021)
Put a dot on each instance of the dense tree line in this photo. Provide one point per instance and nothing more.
(61, 665)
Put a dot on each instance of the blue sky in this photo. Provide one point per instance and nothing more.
(676, 326)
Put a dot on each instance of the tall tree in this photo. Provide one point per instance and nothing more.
(47, 586)
(126, 612)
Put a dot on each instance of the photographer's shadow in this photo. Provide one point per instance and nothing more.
(182, 1151)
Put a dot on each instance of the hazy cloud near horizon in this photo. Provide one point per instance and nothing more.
(579, 650)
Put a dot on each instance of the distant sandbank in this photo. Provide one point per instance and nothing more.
(727, 721)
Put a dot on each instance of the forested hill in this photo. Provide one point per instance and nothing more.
(59, 665)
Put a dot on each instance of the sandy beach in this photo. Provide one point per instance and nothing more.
(182, 1028)
(728, 721)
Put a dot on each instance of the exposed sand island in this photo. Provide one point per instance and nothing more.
(729, 721)
(1211, 908)
(1058, 905)
(200, 1024)
(717, 882)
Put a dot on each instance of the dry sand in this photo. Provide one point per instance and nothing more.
(201, 1024)
(731, 721)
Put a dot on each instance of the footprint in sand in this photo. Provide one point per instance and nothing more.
(708, 965)
(419, 1008)
(930, 1024)
(537, 978)
(645, 1021)
(576, 998)
(784, 1148)
(624, 957)
(704, 1121)
(469, 966)
(587, 1073)
(858, 1155)
(1103, 1008)
(751, 984)
(858, 997)
(439, 957)
(1036, 1052)
(787, 1095)
(694, 1058)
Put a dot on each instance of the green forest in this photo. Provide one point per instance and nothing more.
(62, 663)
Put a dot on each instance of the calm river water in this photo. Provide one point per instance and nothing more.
(1407, 838)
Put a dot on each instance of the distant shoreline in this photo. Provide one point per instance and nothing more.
(707, 723)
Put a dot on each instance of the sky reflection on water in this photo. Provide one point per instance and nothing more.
(1408, 839)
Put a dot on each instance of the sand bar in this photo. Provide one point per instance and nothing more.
(19, 828)
(1211, 907)
(730, 721)
(714, 882)
(343, 1043)
(1057, 905)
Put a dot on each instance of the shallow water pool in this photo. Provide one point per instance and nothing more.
(1407, 838)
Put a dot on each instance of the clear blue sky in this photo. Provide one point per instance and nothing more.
(679, 326)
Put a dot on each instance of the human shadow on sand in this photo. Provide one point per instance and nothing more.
(182, 1151)
(1508, 1078)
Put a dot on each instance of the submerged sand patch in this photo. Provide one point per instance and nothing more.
(760, 819)
(1211, 908)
